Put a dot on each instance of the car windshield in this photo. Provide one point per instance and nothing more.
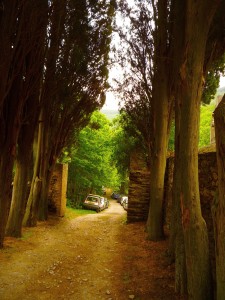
(92, 199)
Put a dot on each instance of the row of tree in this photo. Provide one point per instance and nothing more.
(171, 48)
(53, 75)
(100, 158)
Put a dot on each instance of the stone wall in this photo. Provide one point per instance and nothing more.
(57, 191)
(138, 192)
(208, 181)
(139, 187)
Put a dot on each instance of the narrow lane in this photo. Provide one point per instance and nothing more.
(96, 256)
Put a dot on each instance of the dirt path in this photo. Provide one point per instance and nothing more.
(96, 256)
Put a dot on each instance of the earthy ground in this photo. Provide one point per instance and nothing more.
(96, 256)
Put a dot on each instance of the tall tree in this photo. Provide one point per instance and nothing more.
(32, 87)
(162, 105)
(188, 99)
(147, 94)
(8, 22)
(75, 79)
(18, 19)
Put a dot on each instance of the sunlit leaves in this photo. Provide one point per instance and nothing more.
(92, 158)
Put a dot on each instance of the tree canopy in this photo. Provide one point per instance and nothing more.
(93, 160)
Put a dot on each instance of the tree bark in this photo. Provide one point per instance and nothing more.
(19, 197)
(158, 165)
(33, 40)
(191, 85)
(9, 108)
(219, 211)
(21, 184)
(161, 117)
(8, 141)
(31, 214)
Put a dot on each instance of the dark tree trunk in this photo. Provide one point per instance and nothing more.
(16, 90)
(34, 42)
(30, 218)
(8, 141)
(6, 166)
(31, 214)
(21, 185)
(177, 236)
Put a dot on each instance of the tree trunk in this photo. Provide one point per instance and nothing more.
(191, 74)
(34, 43)
(31, 214)
(219, 212)
(190, 91)
(6, 167)
(30, 218)
(177, 231)
(178, 235)
(158, 166)
(194, 227)
(8, 141)
(161, 114)
(19, 199)
(22, 177)
(9, 108)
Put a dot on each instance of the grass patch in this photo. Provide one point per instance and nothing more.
(26, 235)
(124, 220)
(72, 213)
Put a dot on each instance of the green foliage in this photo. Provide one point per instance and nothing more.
(172, 137)
(212, 80)
(124, 142)
(72, 213)
(205, 124)
(135, 57)
(205, 127)
(91, 164)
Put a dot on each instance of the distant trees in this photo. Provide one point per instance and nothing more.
(206, 117)
(135, 55)
(100, 157)
(53, 76)
(92, 165)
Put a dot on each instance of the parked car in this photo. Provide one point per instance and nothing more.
(125, 203)
(122, 199)
(115, 195)
(94, 202)
(106, 202)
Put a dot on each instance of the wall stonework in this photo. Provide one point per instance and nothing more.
(57, 190)
(138, 192)
(208, 182)
(139, 187)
